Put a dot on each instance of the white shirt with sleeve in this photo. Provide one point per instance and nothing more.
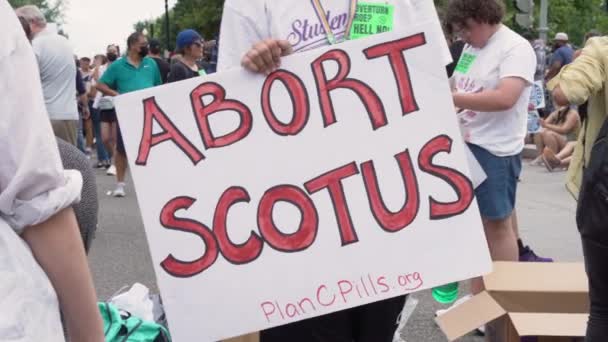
(506, 54)
(246, 22)
(33, 187)
(58, 74)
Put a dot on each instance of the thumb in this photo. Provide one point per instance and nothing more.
(285, 47)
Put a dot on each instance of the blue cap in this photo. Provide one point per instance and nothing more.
(187, 38)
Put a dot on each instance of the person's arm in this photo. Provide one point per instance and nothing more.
(583, 77)
(568, 126)
(104, 89)
(516, 72)
(502, 98)
(57, 246)
(107, 82)
(35, 190)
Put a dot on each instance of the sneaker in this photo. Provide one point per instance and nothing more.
(528, 255)
(111, 171)
(119, 191)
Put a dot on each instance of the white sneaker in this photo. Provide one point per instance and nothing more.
(111, 171)
(119, 191)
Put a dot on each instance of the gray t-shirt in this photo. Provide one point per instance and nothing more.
(57, 73)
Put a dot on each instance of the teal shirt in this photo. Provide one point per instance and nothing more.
(124, 78)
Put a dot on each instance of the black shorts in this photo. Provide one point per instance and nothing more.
(108, 115)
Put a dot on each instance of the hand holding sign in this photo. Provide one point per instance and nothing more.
(265, 56)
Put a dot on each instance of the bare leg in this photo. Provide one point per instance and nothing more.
(553, 141)
(107, 137)
(121, 167)
(538, 140)
(567, 150)
(515, 223)
(88, 129)
(502, 242)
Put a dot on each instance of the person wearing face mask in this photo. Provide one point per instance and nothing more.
(133, 72)
(190, 48)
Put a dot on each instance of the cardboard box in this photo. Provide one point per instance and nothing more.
(549, 300)
(255, 337)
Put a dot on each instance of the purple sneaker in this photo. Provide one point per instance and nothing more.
(529, 339)
(528, 255)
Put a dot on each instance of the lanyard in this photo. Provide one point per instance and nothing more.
(322, 15)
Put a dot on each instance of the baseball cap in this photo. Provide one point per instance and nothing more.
(187, 38)
(561, 36)
(155, 45)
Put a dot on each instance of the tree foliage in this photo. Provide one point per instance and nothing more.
(54, 12)
(575, 17)
(203, 16)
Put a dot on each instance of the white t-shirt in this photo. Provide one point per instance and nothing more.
(246, 22)
(506, 54)
(101, 101)
(57, 73)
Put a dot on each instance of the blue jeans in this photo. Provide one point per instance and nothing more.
(102, 154)
(80, 136)
(496, 195)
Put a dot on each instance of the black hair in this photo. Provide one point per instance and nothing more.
(85, 59)
(482, 11)
(133, 39)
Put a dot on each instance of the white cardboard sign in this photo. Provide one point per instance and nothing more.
(337, 181)
(537, 96)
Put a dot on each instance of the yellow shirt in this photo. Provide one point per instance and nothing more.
(586, 79)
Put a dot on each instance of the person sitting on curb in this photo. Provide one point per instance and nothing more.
(560, 128)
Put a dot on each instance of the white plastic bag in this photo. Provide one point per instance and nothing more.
(136, 301)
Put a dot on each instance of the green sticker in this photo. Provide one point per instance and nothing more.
(465, 62)
(372, 18)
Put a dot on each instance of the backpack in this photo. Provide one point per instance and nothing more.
(592, 210)
(120, 326)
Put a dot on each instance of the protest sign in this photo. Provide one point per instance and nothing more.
(537, 95)
(339, 180)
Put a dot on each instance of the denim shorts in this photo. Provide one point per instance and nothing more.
(496, 195)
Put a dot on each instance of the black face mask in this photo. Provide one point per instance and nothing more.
(111, 56)
(143, 52)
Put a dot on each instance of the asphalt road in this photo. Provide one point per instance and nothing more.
(119, 255)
